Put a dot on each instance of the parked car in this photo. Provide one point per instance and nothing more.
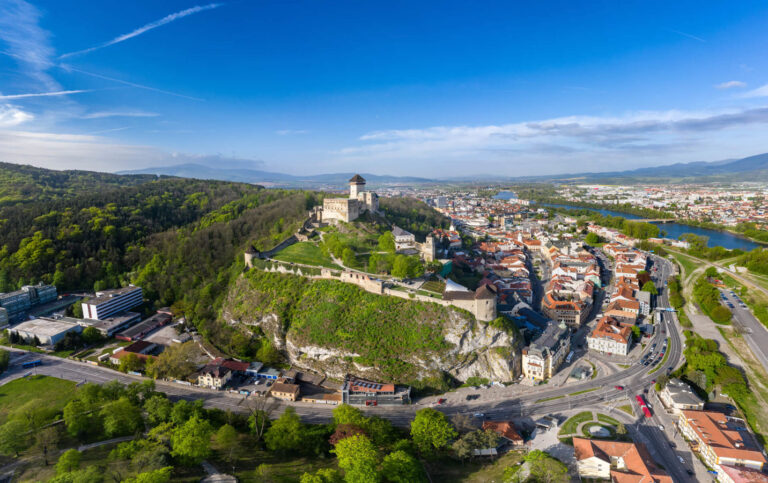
(619, 388)
(441, 401)
(479, 415)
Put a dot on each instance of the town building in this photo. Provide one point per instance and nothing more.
(141, 349)
(721, 440)
(507, 431)
(3, 317)
(214, 376)
(48, 331)
(285, 390)
(404, 240)
(543, 357)
(677, 396)
(350, 208)
(481, 303)
(610, 337)
(616, 461)
(111, 325)
(360, 392)
(111, 302)
(741, 474)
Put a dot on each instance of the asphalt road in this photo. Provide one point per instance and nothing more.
(601, 390)
(752, 330)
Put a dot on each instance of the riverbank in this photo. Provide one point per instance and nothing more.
(746, 244)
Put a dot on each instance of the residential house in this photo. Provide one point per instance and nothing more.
(616, 461)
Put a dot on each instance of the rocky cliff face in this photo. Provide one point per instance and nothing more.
(468, 347)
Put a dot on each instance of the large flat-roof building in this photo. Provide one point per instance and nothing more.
(3, 317)
(361, 392)
(111, 302)
(48, 331)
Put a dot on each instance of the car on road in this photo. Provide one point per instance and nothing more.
(619, 388)
(479, 415)
(441, 401)
(472, 397)
(682, 461)
(661, 427)
(653, 381)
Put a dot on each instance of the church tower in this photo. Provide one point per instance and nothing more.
(356, 186)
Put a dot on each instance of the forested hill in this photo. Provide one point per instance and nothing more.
(179, 238)
(26, 184)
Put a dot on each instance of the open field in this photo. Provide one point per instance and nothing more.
(54, 392)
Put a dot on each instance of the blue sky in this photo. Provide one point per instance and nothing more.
(411, 88)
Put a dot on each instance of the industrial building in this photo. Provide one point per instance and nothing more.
(111, 302)
(48, 331)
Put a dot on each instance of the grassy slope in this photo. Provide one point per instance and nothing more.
(384, 331)
(307, 253)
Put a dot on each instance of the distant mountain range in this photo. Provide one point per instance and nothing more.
(752, 168)
(268, 178)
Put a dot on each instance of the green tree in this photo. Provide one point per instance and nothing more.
(226, 442)
(91, 335)
(285, 434)
(191, 443)
(545, 468)
(68, 461)
(346, 414)
(636, 334)
(158, 409)
(711, 272)
(400, 267)
(650, 287)
(131, 363)
(162, 475)
(592, 238)
(121, 417)
(359, 459)
(323, 475)
(77, 418)
(387, 242)
(401, 467)
(348, 258)
(14, 437)
(431, 431)
(46, 441)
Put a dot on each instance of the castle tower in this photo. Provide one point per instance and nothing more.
(356, 186)
(249, 255)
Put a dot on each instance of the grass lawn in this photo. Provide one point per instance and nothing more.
(549, 399)
(306, 253)
(627, 408)
(584, 391)
(570, 426)
(585, 431)
(687, 264)
(53, 392)
(489, 472)
(607, 419)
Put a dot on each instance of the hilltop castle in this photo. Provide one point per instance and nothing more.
(349, 209)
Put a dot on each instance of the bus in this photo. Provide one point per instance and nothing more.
(646, 411)
(31, 364)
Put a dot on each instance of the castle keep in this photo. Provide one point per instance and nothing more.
(349, 209)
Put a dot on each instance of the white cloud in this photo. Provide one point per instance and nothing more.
(145, 28)
(731, 85)
(759, 92)
(44, 94)
(288, 132)
(568, 144)
(26, 41)
(104, 114)
(11, 116)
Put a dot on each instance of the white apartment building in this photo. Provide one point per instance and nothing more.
(110, 302)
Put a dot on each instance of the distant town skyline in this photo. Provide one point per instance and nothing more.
(423, 89)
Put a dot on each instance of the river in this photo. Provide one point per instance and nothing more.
(505, 195)
(675, 230)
